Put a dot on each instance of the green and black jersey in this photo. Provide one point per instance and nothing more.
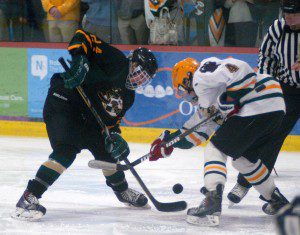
(105, 81)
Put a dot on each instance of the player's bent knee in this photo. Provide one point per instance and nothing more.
(255, 173)
(213, 154)
(63, 155)
(55, 166)
(243, 165)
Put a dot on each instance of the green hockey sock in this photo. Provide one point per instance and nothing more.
(46, 175)
(117, 181)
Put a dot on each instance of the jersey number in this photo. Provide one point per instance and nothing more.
(232, 68)
(97, 42)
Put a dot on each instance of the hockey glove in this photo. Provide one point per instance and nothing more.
(117, 146)
(76, 74)
(157, 151)
(226, 108)
(207, 112)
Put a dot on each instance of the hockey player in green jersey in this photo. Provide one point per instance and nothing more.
(109, 79)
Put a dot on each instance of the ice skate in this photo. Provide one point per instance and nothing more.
(209, 211)
(275, 204)
(28, 208)
(133, 198)
(237, 193)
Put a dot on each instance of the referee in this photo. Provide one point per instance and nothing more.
(280, 57)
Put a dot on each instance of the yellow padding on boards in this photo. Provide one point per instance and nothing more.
(17, 128)
(131, 134)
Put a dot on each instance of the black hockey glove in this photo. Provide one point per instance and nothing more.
(118, 147)
(76, 74)
(226, 108)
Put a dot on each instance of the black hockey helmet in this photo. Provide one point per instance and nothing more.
(290, 6)
(144, 70)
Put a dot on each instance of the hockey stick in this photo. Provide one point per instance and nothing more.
(97, 164)
(165, 207)
(275, 171)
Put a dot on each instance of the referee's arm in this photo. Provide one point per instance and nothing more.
(267, 60)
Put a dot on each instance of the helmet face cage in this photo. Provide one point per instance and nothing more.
(141, 75)
(138, 77)
(185, 91)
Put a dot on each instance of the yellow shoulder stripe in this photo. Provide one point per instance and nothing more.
(243, 87)
(77, 46)
(74, 46)
(86, 36)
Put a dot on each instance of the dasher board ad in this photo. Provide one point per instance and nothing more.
(155, 105)
(13, 82)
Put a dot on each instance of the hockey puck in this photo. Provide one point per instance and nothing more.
(177, 188)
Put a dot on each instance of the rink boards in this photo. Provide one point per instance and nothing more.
(132, 134)
(25, 81)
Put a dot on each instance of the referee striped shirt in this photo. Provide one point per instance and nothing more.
(278, 53)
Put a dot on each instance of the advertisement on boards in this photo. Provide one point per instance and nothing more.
(42, 64)
(155, 105)
(13, 82)
(158, 101)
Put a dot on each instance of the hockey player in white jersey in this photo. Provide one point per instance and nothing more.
(252, 107)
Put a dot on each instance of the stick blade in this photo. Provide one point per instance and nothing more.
(97, 164)
(171, 206)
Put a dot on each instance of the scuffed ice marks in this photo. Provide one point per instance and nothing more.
(81, 203)
(144, 228)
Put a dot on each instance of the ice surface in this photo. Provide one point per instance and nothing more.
(81, 203)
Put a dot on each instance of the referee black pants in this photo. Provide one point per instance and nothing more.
(270, 153)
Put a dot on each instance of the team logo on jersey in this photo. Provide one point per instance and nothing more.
(112, 102)
(209, 66)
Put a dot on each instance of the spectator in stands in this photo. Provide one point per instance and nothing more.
(153, 10)
(63, 18)
(4, 34)
(242, 28)
(11, 20)
(266, 12)
(100, 19)
(131, 21)
(36, 27)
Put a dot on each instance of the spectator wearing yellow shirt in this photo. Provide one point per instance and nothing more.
(63, 18)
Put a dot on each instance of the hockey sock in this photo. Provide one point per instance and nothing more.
(243, 182)
(116, 180)
(46, 175)
(214, 167)
(257, 174)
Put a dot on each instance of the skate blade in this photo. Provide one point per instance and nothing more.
(24, 215)
(146, 207)
(207, 221)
